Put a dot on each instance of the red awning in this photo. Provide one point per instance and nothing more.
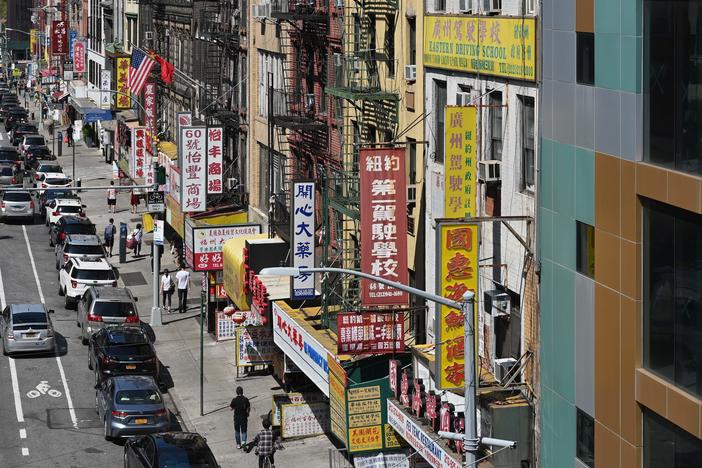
(58, 95)
(49, 72)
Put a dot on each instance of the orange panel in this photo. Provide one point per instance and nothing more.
(607, 371)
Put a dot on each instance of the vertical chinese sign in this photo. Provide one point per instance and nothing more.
(302, 232)
(460, 162)
(457, 273)
(214, 159)
(79, 56)
(59, 38)
(33, 42)
(192, 159)
(383, 224)
(138, 152)
(122, 75)
(105, 83)
(150, 105)
(337, 398)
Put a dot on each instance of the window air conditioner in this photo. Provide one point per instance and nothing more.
(496, 302)
(338, 61)
(340, 3)
(411, 194)
(148, 35)
(462, 98)
(356, 64)
(465, 6)
(309, 101)
(489, 170)
(410, 72)
(502, 368)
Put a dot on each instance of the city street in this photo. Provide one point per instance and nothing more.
(59, 427)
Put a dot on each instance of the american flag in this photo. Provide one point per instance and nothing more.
(139, 69)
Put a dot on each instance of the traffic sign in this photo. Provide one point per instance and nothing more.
(155, 201)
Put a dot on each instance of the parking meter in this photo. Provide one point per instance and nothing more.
(60, 143)
(122, 242)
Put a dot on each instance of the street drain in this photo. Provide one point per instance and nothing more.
(133, 279)
(60, 418)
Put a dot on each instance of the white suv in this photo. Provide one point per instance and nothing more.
(62, 206)
(78, 274)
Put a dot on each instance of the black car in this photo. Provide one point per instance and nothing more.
(6, 108)
(121, 350)
(21, 130)
(52, 194)
(9, 154)
(38, 153)
(14, 118)
(69, 225)
(181, 449)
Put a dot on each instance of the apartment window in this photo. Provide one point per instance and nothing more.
(585, 53)
(585, 433)
(672, 274)
(264, 185)
(672, 87)
(412, 23)
(390, 44)
(527, 170)
(268, 63)
(439, 112)
(439, 5)
(495, 109)
(585, 249)
(667, 445)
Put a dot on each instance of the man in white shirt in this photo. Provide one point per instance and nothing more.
(182, 280)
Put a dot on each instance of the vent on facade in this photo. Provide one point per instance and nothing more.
(338, 61)
(411, 194)
(462, 99)
(148, 35)
(465, 6)
(489, 170)
(492, 6)
(496, 302)
(410, 72)
(502, 368)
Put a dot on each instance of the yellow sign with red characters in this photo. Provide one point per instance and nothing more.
(122, 79)
(457, 273)
(365, 438)
(492, 45)
(460, 176)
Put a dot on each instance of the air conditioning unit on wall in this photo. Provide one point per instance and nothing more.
(489, 170)
(497, 302)
(502, 368)
(410, 72)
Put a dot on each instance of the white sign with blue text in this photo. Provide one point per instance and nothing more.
(302, 233)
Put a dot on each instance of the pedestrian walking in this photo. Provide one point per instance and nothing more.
(134, 201)
(111, 197)
(183, 280)
(69, 135)
(241, 407)
(138, 235)
(44, 112)
(110, 231)
(167, 289)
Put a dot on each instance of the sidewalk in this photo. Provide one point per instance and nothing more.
(178, 341)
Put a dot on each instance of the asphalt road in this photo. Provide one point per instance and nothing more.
(58, 428)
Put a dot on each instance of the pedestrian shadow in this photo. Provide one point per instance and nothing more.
(165, 379)
(181, 318)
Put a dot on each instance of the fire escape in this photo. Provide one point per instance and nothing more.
(366, 102)
(300, 111)
(216, 56)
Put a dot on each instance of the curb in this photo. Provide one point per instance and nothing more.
(186, 422)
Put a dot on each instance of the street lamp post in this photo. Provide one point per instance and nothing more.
(470, 438)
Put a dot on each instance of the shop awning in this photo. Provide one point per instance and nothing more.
(48, 72)
(97, 114)
(83, 105)
(233, 253)
(169, 149)
(58, 95)
(109, 125)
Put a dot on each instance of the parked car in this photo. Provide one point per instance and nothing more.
(9, 155)
(61, 207)
(26, 328)
(38, 153)
(21, 130)
(53, 180)
(102, 307)
(52, 194)
(131, 405)
(79, 245)
(69, 224)
(9, 175)
(6, 107)
(31, 140)
(121, 351)
(169, 449)
(40, 168)
(80, 273)
(14, 118)
(16, 205)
